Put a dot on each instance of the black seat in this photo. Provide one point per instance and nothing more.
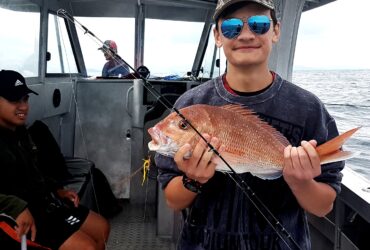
(81, 171)
(78, 174)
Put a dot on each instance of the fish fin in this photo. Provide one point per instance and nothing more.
(330, 150)
(253, 117)
(338, 156)
(264, 176)
(268, 176)
(239, 109)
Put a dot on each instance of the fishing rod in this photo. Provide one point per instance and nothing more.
(275, 224)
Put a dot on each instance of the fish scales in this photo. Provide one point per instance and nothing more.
(250, 143)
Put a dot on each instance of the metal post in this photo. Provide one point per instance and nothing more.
(139, 34)
(339, 221)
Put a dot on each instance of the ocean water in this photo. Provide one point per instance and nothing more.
(346, 94)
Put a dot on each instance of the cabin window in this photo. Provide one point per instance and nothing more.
(19, 45)
(170, 46)
(120, 30)
(61, 58)
(209, 66)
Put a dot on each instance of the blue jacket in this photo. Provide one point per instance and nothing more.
(114, 68)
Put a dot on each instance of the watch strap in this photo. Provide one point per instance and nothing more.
(192, 184)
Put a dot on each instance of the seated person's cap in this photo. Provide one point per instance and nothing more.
(13, 86)
(109, 44)
(223, 4)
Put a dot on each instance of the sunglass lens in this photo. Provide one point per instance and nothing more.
(231, 28)
(259, 24)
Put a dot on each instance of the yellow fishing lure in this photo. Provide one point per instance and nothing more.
(146, 166)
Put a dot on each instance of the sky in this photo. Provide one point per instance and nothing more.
(335, 36)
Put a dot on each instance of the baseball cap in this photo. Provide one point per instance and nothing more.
(13, 85)
(109, 44)
(223, 4)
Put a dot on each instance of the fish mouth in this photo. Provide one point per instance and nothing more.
(161, 143)
(158, 138)
(154, 135)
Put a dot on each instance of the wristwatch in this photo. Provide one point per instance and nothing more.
(191, 184)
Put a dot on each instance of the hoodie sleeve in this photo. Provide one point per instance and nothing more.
(167, 169)
(331, 173)
(11, 205)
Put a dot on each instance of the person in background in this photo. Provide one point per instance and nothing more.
(50, 214)
(114, 67)
(220, 216)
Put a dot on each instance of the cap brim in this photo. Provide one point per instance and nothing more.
(18, 94)
(33, 92)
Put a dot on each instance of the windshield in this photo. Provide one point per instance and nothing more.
(120, 30)
(169, 46)
(210, 67)
(61, 58)
(19, 49)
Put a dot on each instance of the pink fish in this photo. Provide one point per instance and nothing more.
(251, 145)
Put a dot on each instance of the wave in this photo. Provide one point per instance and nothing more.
(347, 105)
(346, 94)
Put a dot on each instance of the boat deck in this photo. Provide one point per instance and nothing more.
(135, 229)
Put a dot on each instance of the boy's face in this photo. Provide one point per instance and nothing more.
(13, 114)
(248, 49)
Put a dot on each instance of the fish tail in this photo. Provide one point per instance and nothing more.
(331, 151)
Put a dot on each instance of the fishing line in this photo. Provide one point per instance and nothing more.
(276, 225)
(78, 117)
(284, 235)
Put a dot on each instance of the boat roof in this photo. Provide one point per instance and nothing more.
(184, 10)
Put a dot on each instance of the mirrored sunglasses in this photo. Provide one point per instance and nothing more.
(231, 28)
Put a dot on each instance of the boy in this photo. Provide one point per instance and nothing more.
(49, 213)
(220, 215)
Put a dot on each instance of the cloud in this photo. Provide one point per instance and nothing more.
(334, 36)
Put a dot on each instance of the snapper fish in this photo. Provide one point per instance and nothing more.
(251, 144)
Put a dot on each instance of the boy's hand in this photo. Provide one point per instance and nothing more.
(199, 166)
(301, 164)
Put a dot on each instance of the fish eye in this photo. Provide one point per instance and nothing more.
(183, 124)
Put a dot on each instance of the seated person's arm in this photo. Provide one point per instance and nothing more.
(17, 209)
(11, 205)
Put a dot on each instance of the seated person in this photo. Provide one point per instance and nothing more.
(59, 221)
(115, 67)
